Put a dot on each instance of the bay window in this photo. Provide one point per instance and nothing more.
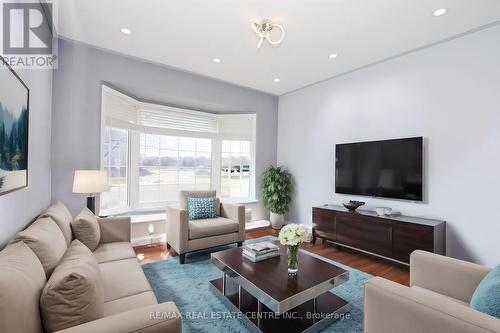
(151, 152)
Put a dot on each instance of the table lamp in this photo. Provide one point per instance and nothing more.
(90, 182)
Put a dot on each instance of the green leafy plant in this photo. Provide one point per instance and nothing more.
(276, 189)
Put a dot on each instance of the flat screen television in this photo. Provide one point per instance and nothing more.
(387, 169)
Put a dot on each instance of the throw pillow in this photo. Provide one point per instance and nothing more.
(62, 217)
(486, 297)
(201, 208)
(46, 240)
(74, 293)
(86, 229)
(21, 282)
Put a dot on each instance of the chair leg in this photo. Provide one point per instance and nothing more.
(168, 246)
(240, 244)
(182, 258)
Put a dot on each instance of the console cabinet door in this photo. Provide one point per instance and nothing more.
(324, 224)
(364, 234)
(410, 238)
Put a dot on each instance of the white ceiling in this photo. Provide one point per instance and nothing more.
(188, 34)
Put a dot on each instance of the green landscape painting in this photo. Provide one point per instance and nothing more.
(13, 131)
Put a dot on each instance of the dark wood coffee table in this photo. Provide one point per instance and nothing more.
(266, 299)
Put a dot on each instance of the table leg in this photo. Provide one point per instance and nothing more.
(315, 308)
(239, 297)
(259, 313)
(224, 284)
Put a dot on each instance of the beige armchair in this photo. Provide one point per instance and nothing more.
(437, 300)
(188, 236)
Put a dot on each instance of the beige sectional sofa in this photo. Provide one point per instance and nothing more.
(437, 300)
(129, 302)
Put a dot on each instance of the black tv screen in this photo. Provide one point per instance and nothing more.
(387, 169)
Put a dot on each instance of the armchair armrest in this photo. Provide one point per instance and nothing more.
(391, 307)
(448, 276)
(235, 213)
(159, 318)
(114, 229)
(178, 229)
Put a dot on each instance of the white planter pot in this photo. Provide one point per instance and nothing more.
(277, 220)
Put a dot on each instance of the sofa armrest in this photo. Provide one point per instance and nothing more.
(448, 276)
(235, 213)
(392, 307)
(164, 318)
(178, 229)
(114, 229)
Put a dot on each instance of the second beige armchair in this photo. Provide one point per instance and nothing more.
(437, 300)
(187, 236)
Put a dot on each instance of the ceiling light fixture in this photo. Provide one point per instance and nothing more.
(333, 56)
(126, 31)
(440, 12)
(216, 60)
(263, 31)
(276, 80)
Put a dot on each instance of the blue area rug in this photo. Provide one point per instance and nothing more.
(187, 286)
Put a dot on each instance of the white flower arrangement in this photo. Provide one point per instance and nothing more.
(292, 235)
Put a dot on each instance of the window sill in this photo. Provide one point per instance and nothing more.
(158, 213)
(239, 201)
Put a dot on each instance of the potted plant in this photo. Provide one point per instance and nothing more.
(276, 193)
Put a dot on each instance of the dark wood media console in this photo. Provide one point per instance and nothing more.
(394, 237)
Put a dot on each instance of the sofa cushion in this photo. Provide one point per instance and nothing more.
(486, 297)
(74, 293)
(86, 229)
(201, 208)
(46, 240)
(62, 217)
(183, 195)
(129, 303)
(123, 278)
(211, 227)
(107, 252)
(21, 282)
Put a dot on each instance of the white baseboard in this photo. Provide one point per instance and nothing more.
(157, 238)
(257, 224)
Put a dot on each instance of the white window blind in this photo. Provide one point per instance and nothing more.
(125, 112)
(120, 110)
(177, 119)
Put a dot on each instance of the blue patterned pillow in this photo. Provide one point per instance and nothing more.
(201, 208)
(486, 297)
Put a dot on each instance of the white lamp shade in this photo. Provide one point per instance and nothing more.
(90, 181)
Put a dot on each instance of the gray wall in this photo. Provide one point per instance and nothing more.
(77, 98)
(19, 208)
(448, 93)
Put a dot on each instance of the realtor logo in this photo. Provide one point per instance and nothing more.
(27, 29)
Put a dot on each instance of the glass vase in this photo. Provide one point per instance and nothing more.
(293, 262)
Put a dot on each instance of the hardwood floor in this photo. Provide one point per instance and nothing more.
(364, 262)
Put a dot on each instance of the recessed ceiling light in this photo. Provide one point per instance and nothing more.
(440, 12)
(333, 55)
(126, 31)
(276, 80)
(217, 60)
